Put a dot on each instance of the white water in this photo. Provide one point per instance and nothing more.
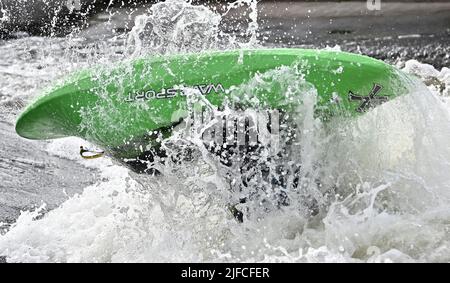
(383, 195)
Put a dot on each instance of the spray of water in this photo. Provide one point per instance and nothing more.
(176, 26)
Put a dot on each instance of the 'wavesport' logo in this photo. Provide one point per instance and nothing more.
(369, 101)
(204, 89)
(244, 128)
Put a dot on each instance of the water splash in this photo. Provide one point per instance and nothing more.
(177, 26)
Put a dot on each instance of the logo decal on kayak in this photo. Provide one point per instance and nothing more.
(204, 89)
(370, 100)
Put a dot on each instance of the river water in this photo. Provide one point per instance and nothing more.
(378, 185)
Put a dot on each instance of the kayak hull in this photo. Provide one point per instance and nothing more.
(120, 108)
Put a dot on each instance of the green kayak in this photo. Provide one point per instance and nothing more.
(120, 109)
